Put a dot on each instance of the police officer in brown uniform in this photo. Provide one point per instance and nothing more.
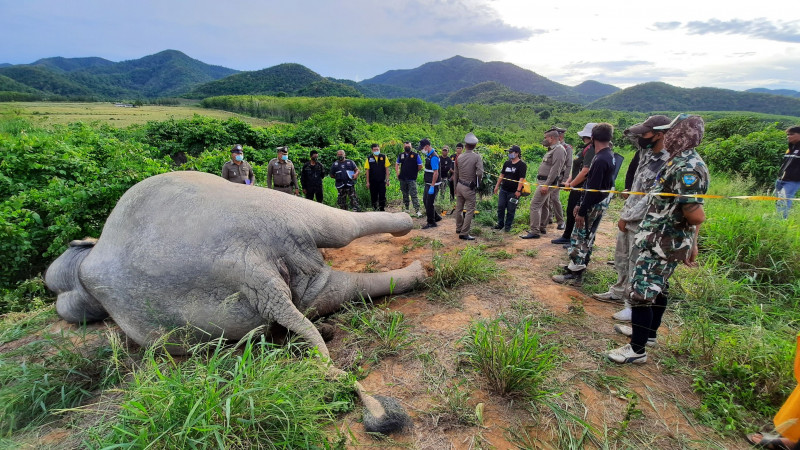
(281, 175)
(554, 207)
(237, 170)
(549, 171)
(467, 173)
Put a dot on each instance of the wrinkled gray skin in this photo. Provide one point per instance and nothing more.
(190, 248)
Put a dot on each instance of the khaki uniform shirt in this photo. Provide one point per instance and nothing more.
(238, 173)
(469, 168)
(281, 174)
(552, 165)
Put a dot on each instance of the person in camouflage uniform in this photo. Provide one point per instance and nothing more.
(651, 159)
(589, 212)
(667, 235)
(345, 172)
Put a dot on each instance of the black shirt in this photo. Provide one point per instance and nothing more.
(512, 173)
(632, 168)
(311, 176)
(445, 166)
(790, 169)
(584, 160)
(600, 176)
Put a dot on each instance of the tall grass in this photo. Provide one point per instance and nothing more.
(511, 356)
(385, 332)
(253, 396)
(468, 265)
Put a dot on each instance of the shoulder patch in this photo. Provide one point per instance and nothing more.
(689, 179)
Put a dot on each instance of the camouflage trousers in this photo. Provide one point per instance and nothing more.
(582, 239)
(346, 192)
(650, 277)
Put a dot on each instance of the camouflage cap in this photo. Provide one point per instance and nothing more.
(685, 133)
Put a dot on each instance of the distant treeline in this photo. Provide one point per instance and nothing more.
(297, 109)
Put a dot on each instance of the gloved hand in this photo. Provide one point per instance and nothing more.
(430, 190)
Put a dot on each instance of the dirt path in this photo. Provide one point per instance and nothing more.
(651, 406)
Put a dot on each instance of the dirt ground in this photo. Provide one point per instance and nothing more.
(653, 403)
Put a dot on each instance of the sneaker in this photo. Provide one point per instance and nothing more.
(531, 236)
(626, 330)
(561, 240)
(499, 226)
(623, 315)
(608, 297)
(560, 226)
(626, 355)
(507, 229)
(429, 225)
(419, 214)
(543, 231)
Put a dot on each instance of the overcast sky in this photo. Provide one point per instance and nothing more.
(732, 44)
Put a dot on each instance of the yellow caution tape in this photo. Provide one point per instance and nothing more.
(669, 194)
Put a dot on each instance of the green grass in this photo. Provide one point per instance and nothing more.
(511, 357)
(376, 330)
(254, 395)
(16, 325)
(465, 266)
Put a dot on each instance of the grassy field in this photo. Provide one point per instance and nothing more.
(48, 113)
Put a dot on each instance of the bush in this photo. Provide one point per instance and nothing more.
(757, 155)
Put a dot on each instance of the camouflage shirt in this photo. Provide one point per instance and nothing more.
(664, 229)
(650, 165)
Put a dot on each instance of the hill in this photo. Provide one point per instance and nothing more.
(437, 79)
(657, 96)
(10, 85)
(595, 89)
(165, 74)
(492, 92)
(284, 79)
(784, 92)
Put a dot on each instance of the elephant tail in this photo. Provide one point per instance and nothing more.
(74, 303)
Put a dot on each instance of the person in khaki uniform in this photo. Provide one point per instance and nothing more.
(554, 207)
(281, 175)
(467, 173)
(237, 170)
(549, 171)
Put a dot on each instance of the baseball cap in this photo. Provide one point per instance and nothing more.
(423, 143)
(515, 149)
(471, 139)
(648, 125)
(675, 121)
(236, 148)
(587, 130)
(560, 130)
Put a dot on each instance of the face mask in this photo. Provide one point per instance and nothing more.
(512, 155)
(340, 158)
(285, 157)
(314, 158)
(376, 152)
(239, 157)
(645, 142)
(408, 149)
(545, 142)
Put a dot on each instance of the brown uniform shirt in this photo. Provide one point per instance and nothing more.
(238, 173)
(552, 165)
(281, 174)
(469, 168)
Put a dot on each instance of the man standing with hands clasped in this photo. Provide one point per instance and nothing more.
(407, 166)
(667, 235)
(377, 168)
(509, 188)
(281, 175)
(345, 172)
(237, 170)
(549, 171)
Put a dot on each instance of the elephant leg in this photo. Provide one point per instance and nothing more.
(342, 287)
(344, 226)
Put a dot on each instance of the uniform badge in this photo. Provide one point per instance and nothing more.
(689, 179)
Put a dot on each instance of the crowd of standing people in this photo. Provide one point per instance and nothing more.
(658, 225)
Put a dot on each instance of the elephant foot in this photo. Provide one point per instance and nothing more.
(385, 415)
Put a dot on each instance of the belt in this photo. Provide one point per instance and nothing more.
(278, 185)
(463, 183)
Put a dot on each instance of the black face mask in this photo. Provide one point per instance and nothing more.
(408, 149)
(340, 158)
(645, 142)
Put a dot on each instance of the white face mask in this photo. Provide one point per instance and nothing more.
(376, 152)
(284, 157)
(239, 157)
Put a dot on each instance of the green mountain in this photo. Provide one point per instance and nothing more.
(45, 80)
(784, 92)
(284, 79)
(595, 89)
(492, 92)
(10, 85)
(165, 74)
(440, 78)
(71, 64)
(657, 96)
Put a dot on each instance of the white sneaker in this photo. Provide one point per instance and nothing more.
(419, 214)
(623, 315)
(608, 297)
(626, 355)
(626, 330)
